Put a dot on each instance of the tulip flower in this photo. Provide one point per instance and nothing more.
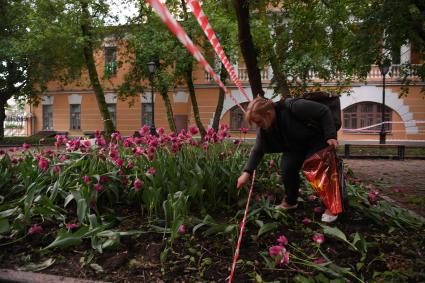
(319, 238)
(35, 229)
(282, 240)
(276, 250)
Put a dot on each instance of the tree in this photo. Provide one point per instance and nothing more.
(88, 49)
(225, 28)
(148, 41)
(60, 41)
(14, 81)
(185, 63)
(332, 40)
(247, 46)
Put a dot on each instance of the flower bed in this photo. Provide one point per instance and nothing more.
(165, 207)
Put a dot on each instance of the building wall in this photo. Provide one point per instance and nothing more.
(408, 111)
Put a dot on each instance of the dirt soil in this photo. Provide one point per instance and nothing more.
(402, 181)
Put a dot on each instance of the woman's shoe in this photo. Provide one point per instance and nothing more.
(285, 206)
(328, 218)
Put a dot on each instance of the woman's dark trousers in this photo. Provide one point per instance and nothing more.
(290, 167)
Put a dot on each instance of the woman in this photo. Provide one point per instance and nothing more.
(296, 127)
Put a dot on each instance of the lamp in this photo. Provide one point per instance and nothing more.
(152, 69)
(384, 68)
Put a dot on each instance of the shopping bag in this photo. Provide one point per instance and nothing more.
(324, 172)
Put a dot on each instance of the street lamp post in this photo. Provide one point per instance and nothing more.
(384, 68)
(152, 69)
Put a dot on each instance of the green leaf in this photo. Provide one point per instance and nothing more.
(38, 266)
(96, 267)
(63, 241)
(8, 212)
(4, 226)
(81, 210)
(333, 231)
(267, 228)
(68, 199)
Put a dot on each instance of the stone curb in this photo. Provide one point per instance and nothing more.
(13, 276)
(411, 212)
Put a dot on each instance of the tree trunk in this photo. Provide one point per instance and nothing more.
(169, 109)
(2, 118)
(246, 43)
(219, 108)
(189, 81)
(282, 83)
(91, 67)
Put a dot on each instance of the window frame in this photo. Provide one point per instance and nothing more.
(113, 114)
(358, 116)
(110, 68)
(49, 118)
(146, 113)
(74, 120)
(235, 110)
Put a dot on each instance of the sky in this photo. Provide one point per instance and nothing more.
(122, 9)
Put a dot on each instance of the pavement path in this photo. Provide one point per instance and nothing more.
(401, 180)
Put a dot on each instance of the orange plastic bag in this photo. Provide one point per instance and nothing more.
(321, 170)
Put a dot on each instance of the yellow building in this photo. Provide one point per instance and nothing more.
(73, 108)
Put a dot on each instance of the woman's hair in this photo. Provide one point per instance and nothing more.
(258, 107)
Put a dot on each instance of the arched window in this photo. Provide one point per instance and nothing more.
(237, 120)
(364, 114)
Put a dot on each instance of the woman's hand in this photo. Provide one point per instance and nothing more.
(332, 142)
(242, 179)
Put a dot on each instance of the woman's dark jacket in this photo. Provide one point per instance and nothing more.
(299, 124)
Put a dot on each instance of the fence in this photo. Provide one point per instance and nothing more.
(15, 125)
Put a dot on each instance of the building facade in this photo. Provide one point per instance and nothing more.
(73, 108)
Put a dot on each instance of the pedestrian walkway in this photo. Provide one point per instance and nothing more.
(402, 181)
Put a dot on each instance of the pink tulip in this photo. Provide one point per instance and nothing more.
(193, 130)
(284, 260)
(43, 164)
(138, 184)
(119, 162)
(71, 226)
(25, 146)
(151, 171)
(319, 238)
(56, 169)
(35, 229)
(320, 260)
(318, 209)
(306, 221)
(182, 230)
(372, 197)
(312, 197)
(160, 131)
(144, 130)
(98, 187)
(282, 240)
(276, 250)
(86, 179)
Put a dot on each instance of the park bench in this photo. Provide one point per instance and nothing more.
(388, 151)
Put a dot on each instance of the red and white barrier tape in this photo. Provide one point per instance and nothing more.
(380, 124)
(209, 32)
(235, 258)
(182, 36)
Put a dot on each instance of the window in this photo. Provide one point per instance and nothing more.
(237, 120)
(146, 114)
(395, 56)
(366, 114)
(48, 117)
(112, 108)
(75, 116)
(110, 61)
